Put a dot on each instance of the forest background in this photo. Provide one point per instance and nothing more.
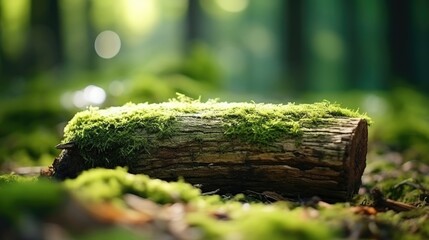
(58, 57)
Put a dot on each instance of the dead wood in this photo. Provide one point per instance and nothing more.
(327, 160)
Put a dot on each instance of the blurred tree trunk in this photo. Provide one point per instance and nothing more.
(45, 47)
(295, 43)
(351, 36)
(400, 39)
(193, 19)
(420, 38)
(79, 33)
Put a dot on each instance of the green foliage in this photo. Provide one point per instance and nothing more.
(406, 127)
(29, 115)
(97, 185)
(201, 65)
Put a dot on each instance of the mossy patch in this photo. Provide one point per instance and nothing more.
(14, 178)
(122, 131)
(264, 123)
(126, 131)
(99, 184)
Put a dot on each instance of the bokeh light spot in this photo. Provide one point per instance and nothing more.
(107, 44)
(91, 95)
(140, 16)
(328, 45)
(94, 95)
(233, 5)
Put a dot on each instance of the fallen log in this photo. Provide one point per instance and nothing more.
(297, 150)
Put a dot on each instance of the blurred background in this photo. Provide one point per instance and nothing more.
(58, 57)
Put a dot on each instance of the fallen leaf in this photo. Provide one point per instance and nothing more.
(364, 210)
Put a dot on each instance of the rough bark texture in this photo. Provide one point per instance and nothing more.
(326, 161)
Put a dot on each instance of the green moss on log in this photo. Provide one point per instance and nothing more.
(126, 131)
(265, 123)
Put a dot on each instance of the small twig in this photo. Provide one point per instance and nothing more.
(381, 202)
(273, 195)
(210, 192)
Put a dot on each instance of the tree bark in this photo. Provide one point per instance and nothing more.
(326, 161)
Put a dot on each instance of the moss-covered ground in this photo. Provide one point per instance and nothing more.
(105, 202)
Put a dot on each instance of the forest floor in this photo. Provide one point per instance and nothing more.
(393, 203)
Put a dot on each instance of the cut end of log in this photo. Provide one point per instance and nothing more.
(305, 151)
(355, 162)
